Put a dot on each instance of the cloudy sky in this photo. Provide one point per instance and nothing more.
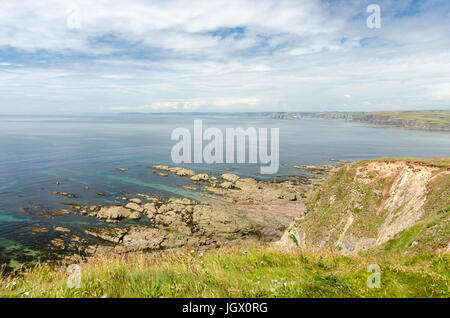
(246, 55)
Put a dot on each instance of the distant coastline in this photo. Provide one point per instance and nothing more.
(431, 120)
(436, 120)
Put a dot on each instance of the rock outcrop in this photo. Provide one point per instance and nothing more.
(238, 211)
(179, 222)
(230, 177)
(176, 170)
(229, 210)
(113, 213)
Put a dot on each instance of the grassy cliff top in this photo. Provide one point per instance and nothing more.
(256, 272)
(441, 163)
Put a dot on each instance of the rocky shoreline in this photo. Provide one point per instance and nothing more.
(235, 211)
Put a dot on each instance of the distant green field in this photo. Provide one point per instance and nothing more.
(431, 117)
(410, 119)
(422, 118)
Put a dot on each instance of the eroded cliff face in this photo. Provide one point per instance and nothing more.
(391, 205)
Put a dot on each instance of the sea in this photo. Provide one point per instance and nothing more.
(66, 153)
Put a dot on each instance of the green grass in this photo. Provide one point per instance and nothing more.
(258, 272)
(402, 240)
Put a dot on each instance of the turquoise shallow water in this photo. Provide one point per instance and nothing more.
(36, 152)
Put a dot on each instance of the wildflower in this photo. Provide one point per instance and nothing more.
(201, 254)
(26, 293)
(192, 251)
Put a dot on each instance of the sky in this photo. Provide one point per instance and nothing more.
(79, 57)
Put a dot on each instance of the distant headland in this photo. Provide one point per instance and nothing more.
(414, 119)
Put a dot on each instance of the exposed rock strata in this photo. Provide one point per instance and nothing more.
(398, 204)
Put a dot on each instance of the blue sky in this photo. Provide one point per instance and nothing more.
(247, 55)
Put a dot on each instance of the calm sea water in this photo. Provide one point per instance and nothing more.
(37, 151)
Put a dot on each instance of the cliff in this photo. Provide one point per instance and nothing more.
(384, 206)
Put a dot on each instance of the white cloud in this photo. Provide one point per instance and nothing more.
(222, 104)
(440, 91)
(215, 55)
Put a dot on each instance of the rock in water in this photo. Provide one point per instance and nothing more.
(230, 177)
(161, 167)
(135, 200)
(200, 177)
(134, 207)
(227, 185)
(113, 213)
(62, 229)
(182, 172)
(135, 216)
